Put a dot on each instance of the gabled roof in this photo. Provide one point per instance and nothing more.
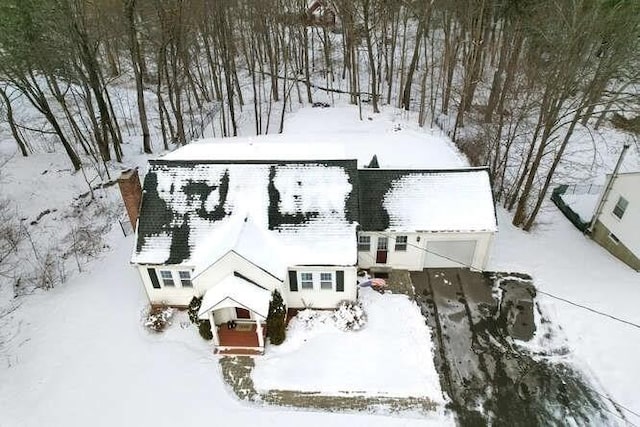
(240, 235)
(426, 200)
(188, 207)
(234, 291)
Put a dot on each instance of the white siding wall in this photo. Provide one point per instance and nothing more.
(321, 298)
(415, 256)
(176, 295)
(179, 296)
(627, 228)
(227, 265)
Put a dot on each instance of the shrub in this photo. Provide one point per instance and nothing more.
(276, 319)
(204, 327)
(350, 316)
(158, 318)
(194, 308)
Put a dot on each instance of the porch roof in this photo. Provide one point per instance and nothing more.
(234, 291)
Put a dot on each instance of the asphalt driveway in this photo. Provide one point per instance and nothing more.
(479, 321)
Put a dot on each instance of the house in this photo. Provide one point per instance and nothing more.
(232, 222)
(616, 224)
(322, 13)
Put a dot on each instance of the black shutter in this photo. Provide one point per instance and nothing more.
(339, 281)
(154, 278)
(293, 281)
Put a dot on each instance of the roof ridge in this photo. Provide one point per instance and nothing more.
(405, 170)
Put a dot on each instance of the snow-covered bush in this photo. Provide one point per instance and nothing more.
(307, 318)
(350, 316)
(158, 318)
(194, 308)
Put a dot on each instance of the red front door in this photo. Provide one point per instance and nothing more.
(242, 313)
(381, 253)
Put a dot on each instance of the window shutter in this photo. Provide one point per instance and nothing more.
(293, 281)
(340, 281)
(154, 278)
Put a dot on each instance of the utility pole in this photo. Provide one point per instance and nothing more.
(607, 188)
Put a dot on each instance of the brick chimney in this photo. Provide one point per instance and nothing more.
(129, 184)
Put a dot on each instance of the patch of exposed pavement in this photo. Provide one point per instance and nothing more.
(490, 379)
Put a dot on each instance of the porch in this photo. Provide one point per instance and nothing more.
(243, 339)
(237, 310)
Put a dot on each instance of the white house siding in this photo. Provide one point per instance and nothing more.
(176, 296)
(317, 297)
(227, 265)
(627, 228)
(416, 256)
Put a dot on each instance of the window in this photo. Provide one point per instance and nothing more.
(614, 238)
(383, 243)
(364, 243)
(185, 279)
(401, 243)
(306, 280)
(621, 206)
(326, 281)
(167, 278)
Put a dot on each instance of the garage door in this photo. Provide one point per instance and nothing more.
(450, 253)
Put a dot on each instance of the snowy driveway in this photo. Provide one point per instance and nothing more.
(490, 377)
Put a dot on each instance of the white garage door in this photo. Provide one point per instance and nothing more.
(450, 253)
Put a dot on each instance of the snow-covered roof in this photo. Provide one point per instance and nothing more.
(234, 291)
(429, 200)
(427, 151)
(193, 212)
(243, 236)
(247, 149)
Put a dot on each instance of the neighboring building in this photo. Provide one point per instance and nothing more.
(234, 229)
(617, 227)
(322, 13)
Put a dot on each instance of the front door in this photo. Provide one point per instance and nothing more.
(381, 253)
(242, 313)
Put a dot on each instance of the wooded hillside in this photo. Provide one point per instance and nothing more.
(509, 80)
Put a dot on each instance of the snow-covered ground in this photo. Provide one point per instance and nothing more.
(79, 355)
(84, 359)
(582, 204)
(565, 263)
(390, 356)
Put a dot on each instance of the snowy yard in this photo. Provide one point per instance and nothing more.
(390, 356)
(80, 350)
(582, 204)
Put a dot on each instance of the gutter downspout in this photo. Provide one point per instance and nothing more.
(607, 189)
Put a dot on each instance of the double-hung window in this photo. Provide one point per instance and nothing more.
(167, 278)
(185, 279)
(326, 281)
(306, 280)
(620, 207)
(364, 243)
(401, 243)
